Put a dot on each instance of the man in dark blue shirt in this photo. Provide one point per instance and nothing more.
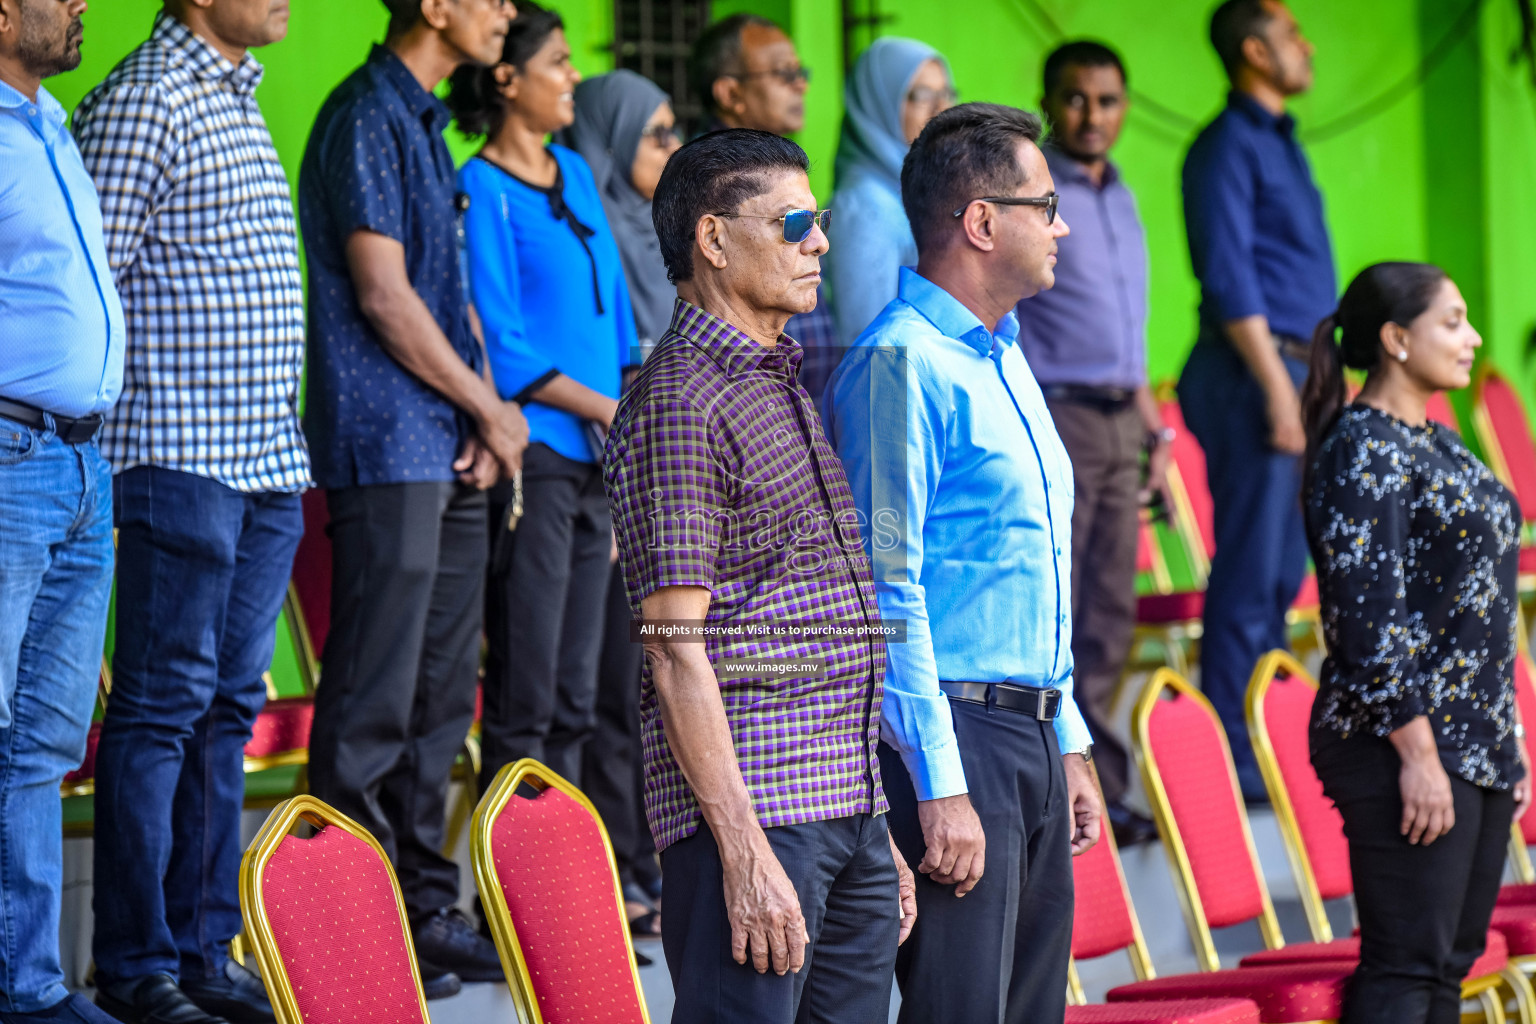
(1260, 248)
(406, 431)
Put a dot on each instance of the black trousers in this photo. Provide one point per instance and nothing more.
(1000, 953)
(1424, 910)
(844, 874)
(610, 762)
(1105, 446)
(408, 579)
(544, 615)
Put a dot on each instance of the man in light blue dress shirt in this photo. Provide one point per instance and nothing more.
(61, 367)
(966, 492)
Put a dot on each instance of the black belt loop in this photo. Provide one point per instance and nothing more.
(1039, 703)
(70, 431)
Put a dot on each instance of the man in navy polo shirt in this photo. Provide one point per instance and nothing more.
(406, 431)
(1260, 248)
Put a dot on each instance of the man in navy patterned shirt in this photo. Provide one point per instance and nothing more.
(407, 430)
(210, 463)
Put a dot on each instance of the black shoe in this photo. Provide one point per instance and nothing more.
(447, 941)
(75, 1009)
(439, 984)
(1130, 828)
(234, 993)
(152, 1000)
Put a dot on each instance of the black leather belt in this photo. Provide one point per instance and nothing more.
(1294, 348)
(1026, 700)
(1106, 398)
(69, 431)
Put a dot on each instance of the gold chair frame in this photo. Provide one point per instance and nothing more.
(1484, 989)
(253, 907)
(1498, 462)
(494, 900)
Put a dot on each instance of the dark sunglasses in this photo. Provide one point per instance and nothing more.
(789, 76)
(661, 134)
(1049, 202)
(797, 223)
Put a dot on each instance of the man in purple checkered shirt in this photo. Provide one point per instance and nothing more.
(736, 524)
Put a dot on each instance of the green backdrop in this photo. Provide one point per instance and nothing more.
(1446, 171)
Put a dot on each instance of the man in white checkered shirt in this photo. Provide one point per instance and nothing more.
(210, 463)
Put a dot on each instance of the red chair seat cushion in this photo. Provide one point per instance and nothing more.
(1495, 955)
(1165, 609)
(1518, 926)
(336, 922)
(282, 725)
(1283, 993)
(1172, 1011)
(1517, 894)
(554, 869)
(1305, 953)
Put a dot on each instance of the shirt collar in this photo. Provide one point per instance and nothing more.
(730, 347)
(420, 102)
(1064, 167)
(14, 99)
(952, 319)
(205, 61)
(1260, 115)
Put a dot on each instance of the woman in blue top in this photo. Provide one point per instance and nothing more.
(896, 87)
(549, 287)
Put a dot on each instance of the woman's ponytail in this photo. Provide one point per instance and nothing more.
(1322, 396)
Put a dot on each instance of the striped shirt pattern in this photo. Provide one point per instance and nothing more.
(720, 476)
(201, 236)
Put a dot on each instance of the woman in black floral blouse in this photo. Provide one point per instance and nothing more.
(1414, 732)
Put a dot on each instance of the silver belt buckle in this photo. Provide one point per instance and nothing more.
(1040, 707)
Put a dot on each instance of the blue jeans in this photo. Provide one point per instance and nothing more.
(1261, 542)
(55, 583)
(202, 570)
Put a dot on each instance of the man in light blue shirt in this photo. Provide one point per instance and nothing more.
(966, 498)
(61, 367)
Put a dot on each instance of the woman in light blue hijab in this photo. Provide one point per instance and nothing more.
(896, 87)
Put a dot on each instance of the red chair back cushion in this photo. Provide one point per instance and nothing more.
(1189, 458)
(1440, 410)
(1187, 742)
(1513, 432)
(312, 569)
(336, 920)
(1101, 917)
(1287, 715)
(560, 887)
(1525, 697)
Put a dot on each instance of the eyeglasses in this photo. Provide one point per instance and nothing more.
(661, 134)
(797, 223)
(926, 97)
(1049, 202)
(789, 76)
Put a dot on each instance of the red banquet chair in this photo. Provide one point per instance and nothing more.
(1280, 695)
(327, 923)
(1103, 922)
(1186, 766)
(550, 888)
(1504, 432)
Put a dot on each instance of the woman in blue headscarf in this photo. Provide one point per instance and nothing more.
(896, 87)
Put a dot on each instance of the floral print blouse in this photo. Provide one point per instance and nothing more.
(1416, 545)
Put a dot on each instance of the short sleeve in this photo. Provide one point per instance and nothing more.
(362, 166)
(668, 493)
(1360, 520)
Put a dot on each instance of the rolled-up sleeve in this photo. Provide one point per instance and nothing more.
(1219, 217)
(888, 429)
